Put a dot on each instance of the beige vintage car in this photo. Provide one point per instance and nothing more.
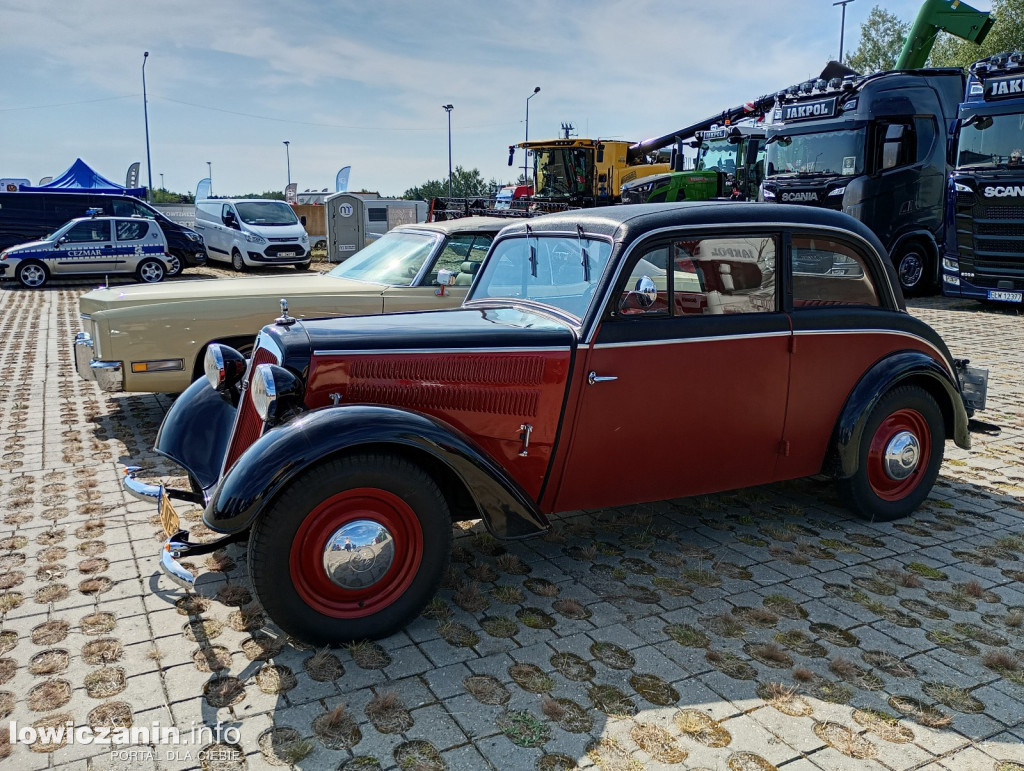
(153, 338)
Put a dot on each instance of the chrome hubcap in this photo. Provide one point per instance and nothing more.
(358, 554)
(911, 269)
(33, 275)
(902, 455)
(152, 272)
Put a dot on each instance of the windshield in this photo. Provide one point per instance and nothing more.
(718, 154)
(821, 152)
(992, 141)
(547, 269)
(266, 213)
(563, 172)
(395, 258)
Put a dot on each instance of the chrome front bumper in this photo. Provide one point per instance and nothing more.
(108, 374)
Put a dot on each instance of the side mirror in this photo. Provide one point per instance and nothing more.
(642, 295)
(302, 220)
(62, 240)
(445, 277)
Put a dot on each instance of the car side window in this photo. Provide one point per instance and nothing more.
(828, 272)
(89, 231)
(131, 230)
(704, 276)
(462, 255)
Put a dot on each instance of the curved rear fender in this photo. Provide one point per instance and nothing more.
(196, 430)
(904, 368)
(277, 457)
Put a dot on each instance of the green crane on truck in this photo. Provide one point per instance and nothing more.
(952, 16)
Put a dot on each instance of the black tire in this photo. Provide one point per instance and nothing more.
(237, 262)
(913, 264)
(32, 274)
(151, 271)
(874, 494)
(289, 546)
(302, 266)
(175, 265)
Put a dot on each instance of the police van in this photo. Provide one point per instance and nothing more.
(89, 245)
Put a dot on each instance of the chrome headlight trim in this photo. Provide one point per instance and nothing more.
(275, 393)
(263, 391)
(224, 367)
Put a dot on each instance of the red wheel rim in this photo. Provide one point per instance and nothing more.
(306, 560)
(883, 485)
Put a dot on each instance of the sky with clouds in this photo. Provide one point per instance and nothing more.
(363, 83)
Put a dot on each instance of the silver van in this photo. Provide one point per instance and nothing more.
(251, 232)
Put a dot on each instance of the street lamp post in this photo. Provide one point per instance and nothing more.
(448, 109)
(288, 158)
(842, 26)
(209, 175)
(526, 152)
(162, 181)
(145, 114)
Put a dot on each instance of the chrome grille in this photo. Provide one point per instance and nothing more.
(248, 426)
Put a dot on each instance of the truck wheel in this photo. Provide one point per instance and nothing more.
(151, 271)
(237, 262)
(913, 268)
(32, 274)
(352, 549)
(174, 265)
(899, 456)
(302, 266)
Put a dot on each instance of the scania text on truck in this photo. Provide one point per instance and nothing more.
(984, 254)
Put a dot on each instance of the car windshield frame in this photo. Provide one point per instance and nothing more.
(992, 131)
(816, 141)
(414, 253)
(248, 212)
(554, 260)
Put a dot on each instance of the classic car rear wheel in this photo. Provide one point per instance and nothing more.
(237, 262)
(32, 274)
(151, 271)
(354, 548)
(900, 454)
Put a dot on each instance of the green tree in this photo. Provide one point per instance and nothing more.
(465, 184)
(881, 40)
(1007, 34)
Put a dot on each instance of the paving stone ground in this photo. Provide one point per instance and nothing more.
(753, 630)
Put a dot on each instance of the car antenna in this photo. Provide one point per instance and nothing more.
(583, 252)
(533, 252)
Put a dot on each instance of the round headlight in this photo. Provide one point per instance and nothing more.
(223, 366)
(274, 391)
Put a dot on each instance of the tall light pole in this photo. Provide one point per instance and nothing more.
(145, 114)
(209, 175)
(842, 26)
(526, 152)
(288, 158)
(162, 181)
(448, 109)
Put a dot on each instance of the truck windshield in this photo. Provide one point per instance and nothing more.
(563, 172)
(717, 154)
(547, 269)
(266, 213)
(395, 258)
(992, 141)
(821, 152)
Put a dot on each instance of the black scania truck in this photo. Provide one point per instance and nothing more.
(984, 257)
(876, 148)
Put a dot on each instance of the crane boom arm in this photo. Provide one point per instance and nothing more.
(952, 16)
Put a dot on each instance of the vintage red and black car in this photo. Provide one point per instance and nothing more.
(602, 358)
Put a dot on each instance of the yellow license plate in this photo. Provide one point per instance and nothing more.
(169, 519)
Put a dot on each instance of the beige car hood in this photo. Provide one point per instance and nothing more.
(289, 287)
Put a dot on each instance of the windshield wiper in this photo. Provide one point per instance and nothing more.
(533, 253)
(583, 251)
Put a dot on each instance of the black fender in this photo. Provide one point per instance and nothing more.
(196, 430)
(897, 369)
(282, 453)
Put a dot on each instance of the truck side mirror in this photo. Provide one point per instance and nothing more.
(302, 220)
(511, 154)
(600, 153)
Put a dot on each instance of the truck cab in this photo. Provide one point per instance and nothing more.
(984, 252)
(874, 147)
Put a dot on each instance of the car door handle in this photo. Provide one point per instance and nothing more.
(593, 377)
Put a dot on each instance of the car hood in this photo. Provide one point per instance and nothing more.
(290, 288)
(31, 246)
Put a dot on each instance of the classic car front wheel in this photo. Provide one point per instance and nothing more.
(900, 454)
(352, 549)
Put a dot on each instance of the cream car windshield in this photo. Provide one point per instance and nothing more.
(561, 271)
(395, 258)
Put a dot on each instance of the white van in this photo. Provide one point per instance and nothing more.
(252, 232)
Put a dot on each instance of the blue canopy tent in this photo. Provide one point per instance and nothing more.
(80, 177)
